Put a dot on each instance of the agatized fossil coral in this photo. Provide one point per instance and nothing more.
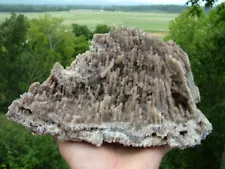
(129, 88)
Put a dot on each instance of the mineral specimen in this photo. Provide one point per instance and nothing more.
(129, 88)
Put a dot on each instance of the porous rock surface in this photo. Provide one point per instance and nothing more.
(129, 88)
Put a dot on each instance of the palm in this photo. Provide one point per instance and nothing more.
(86, 156)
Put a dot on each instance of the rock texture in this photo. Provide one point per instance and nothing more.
(128, 88)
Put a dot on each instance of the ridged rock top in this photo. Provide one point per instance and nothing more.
(129, 88)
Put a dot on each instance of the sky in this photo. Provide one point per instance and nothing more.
(153, 1)
(127, 2)
(98, 2)
(135, 1)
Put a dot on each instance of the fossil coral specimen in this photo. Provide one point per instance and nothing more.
(128, 88)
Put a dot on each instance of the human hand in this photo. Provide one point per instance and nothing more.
(111, 156)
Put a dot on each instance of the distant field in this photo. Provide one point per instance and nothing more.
(156, 23)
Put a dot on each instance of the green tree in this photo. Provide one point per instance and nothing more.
(183, 28)
(20, 150)
(49, 32)
(50, 28)
(13, 36)
(211, 51)
(81, 45)
(49, 41)
(102, 28)
(208, 3)
(204, 41)
(222, 164)
(82, 30)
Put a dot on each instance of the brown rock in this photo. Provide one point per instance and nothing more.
(128, 88)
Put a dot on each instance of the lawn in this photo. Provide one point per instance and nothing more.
(156, 23)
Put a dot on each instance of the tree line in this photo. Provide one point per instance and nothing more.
(50, 8)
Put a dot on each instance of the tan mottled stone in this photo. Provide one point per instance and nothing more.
(128, 88)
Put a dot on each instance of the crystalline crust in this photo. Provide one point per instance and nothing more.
(129, 88)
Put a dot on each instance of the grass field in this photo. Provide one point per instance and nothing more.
(156, 23)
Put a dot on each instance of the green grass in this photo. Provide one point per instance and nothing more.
(150, 22)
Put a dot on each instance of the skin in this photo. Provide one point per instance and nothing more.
(111, 156)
